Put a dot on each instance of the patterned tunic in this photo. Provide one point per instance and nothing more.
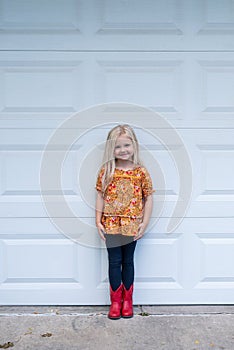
(124, 200)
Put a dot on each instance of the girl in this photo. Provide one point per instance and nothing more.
(123, 208)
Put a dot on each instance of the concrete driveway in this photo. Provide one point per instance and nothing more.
(87, 328)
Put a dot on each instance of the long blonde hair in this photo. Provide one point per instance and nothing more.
(109, 159)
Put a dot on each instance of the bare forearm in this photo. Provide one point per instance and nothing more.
(148, 209)
(99, 207)
(99, 210)
(146, 217)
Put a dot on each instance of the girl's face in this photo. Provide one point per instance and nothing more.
(124, 148)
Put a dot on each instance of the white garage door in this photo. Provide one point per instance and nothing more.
(173, 56)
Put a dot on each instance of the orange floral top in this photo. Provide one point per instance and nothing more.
(124, 200)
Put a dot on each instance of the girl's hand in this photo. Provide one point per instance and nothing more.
(101, 231)
(141, 231)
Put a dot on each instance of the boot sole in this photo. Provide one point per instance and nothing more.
(127, 316)
(114, 318)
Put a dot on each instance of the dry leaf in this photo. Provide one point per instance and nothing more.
(7, 345)
(46, 334)
(197, 342)
(144, 313)
(29, 331)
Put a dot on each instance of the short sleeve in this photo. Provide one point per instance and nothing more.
(99, 180)
(147, 186)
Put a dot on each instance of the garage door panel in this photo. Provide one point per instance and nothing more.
(203, 100)
(107, 19)
(222, 183)
(168, 25)
(217, 18)
(35, 261)
(172, 56)
(198, 270)
(216, 84)
(20, 191)
(217, 258)
(26, 166)
(27, 17)
(136, 76)
(215, 183)
(213, 187)
(211, 154)
(159, 260)
(156, 17)
(28, 227)
(40, 270)
(210, 259)
(27, 86)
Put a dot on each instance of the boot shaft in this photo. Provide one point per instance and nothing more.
(127, 309)
(127, 293)
(116, 303)
(116, 295)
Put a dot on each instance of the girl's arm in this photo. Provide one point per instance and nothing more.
(146, 216)
(99, 209)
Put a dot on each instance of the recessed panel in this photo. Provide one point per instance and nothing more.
(157, 260)
(131, 81)
(218, 17)
(218, 84)
(21, 174)
(217, 258)
(35, 261)
(42, 15)
(217, 172)
(38, 89)
(133, 18)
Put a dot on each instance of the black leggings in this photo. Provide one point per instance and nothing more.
(121, 260)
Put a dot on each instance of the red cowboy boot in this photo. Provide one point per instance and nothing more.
(116, 303)
(127, 309)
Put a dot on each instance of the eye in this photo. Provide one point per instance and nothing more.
(127, 145)
(117, 147)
